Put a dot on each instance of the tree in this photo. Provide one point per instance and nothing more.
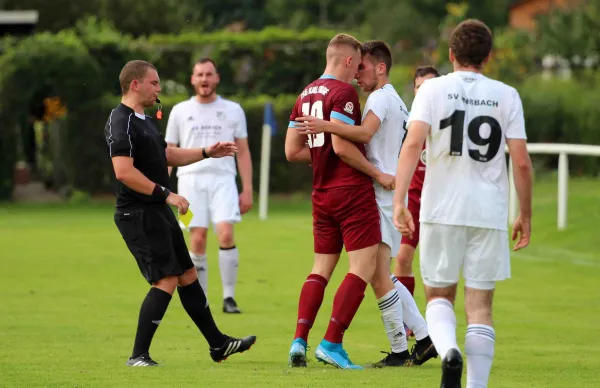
(570, 37)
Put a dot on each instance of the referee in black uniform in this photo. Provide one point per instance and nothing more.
(150, 229)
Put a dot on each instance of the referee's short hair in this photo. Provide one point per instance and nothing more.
(133, 70)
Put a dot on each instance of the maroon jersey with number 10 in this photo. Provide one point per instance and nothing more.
(328, 98)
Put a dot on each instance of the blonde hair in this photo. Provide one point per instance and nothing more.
(345, 40)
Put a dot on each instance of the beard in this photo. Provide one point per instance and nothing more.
(370, 87)
(205, 91)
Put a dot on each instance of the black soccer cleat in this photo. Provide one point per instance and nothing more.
(423, 351)
(452, 366)
(394, 359)
(142, 360)
(232, 346)
(230, 307)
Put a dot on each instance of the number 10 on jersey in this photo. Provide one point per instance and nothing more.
(317, 111)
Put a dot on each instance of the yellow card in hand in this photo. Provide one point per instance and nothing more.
(186, 218)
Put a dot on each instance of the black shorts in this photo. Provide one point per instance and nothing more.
(153, 236)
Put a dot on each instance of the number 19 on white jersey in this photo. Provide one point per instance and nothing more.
(471, 116)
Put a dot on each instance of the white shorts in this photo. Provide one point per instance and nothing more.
(483, 254)
(389, 235)
(212, 198)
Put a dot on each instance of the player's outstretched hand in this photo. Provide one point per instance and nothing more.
(306, 125)
(521, 229)
(387, 181)
(222, 149)
(403, 221)
(179, 202)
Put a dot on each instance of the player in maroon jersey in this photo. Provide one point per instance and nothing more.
(344, 209)
(403, 265)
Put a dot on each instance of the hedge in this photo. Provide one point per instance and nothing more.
(272, 61)
(81, 65)
(556, 111)
(563, 111)
(43, 65)
(81, 68)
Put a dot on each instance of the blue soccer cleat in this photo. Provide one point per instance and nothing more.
(298, 353)
(334, 354)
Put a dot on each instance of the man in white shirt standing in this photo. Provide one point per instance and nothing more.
(382, 130)
(210, 186)
(467, 119)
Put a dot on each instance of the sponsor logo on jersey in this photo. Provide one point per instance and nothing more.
(349, 107)
(424, 157)
(221, 115)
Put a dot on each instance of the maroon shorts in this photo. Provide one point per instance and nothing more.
(345, 217)
(414, 207)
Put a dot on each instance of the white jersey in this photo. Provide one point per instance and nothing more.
(382, 152)
(194, 125)
(384, 147)
(471, 116)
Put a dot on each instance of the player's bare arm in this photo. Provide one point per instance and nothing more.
(523, 176)
(170, 168)
(177, 156)
(296, 147)
(407, 162)
(244, 163)
(350, 154)
(360, 134)
(131, 177)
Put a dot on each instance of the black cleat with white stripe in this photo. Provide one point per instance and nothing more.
(232, 346)
(142, 360)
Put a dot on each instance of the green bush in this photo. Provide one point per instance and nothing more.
(272, 61)
(40, 66)
(562, 111)
(109, 48)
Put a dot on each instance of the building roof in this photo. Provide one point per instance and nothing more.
(516, 3)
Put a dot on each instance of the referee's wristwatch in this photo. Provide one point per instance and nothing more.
(204, 153)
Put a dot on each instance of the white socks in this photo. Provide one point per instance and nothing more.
(201, 265)
(479, 347)
(412, 316)
(391, 314)
(228, 264)
(441, 321)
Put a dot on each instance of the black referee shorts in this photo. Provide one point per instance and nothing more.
(154, 238)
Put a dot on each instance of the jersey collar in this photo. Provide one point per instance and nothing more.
(129, 110)
(327, 76)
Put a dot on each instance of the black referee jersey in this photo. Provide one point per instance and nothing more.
(131, 134)
(148, 225)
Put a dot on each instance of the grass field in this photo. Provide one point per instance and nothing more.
(70, 294)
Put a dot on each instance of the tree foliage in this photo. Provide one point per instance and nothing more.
(571, 36)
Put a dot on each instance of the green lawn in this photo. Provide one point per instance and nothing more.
(70, 294)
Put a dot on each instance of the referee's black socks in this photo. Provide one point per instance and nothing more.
(151, 313)
(195, 304)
